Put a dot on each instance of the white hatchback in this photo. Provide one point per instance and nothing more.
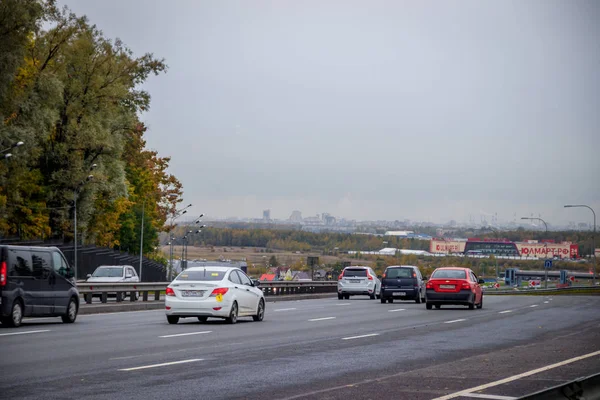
(220, 292)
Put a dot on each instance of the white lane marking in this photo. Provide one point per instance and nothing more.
(123, 358)
(534, 305)
(24, 333)
(40, 319)
(488, 396)
(185, 334)
(320, 319)
(505, 311)
(453, 321)
(119, 312)
(397, 309)
(342, 304)
(360, 336)
(285, 309)
(161, 365)
(517, 377)
(545, 302)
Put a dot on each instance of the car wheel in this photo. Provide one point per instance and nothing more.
(472, 305)
(382, 300)
(428, 306)
(233, 314)
(480, 305)
(391, 300)
(260, 314)
(16, 315)
(438, 306)
(202, 319)
(418, 298)
(347, 296)
(173, 319)
(340, 296)
(71, 314)
(372, 296)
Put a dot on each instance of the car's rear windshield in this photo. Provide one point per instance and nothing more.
(449, 274)
(399, 273)
(108, 272)
(204, 275)
(355, 272)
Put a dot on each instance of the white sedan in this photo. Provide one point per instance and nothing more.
(219, 292)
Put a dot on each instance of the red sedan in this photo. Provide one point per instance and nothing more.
(454, 286)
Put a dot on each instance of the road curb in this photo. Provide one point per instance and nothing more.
(86, 309)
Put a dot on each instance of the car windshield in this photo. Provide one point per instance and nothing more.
(360, 272)
(399, 273)
(203, 275)
(108, 272)
(449, 274)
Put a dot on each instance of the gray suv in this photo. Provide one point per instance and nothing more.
(36, 282)
(403, 282)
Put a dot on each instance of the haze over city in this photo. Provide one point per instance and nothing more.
(372, 110)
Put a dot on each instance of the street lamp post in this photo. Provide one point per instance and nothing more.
(593, 236)
(75, 194)
(17, 144)
(175, 215)
(142, 237)
(545, 247)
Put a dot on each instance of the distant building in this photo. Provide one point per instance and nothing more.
(296, 216)
(266, 215)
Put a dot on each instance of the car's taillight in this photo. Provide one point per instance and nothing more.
(217, 291)
(429, 285)
(465, 285)
(370, 276)
(169, 292)
(384, 275)
(341, 276)
(3, 274)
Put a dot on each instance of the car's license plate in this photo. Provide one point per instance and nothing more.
(192, 293)
(399, 293)
(446, 286)
(354, 280)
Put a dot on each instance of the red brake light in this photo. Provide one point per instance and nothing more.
(221, 291)
(341, 276)
(429, 285)
(169, 292)
(384, 275)
(465, 285)
(370, 276)
(3, 274)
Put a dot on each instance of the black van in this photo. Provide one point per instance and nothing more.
(36, 282)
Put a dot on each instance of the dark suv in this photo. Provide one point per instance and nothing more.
(36, 282)
(403, 282)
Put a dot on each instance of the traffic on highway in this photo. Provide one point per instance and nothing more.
(322, 348)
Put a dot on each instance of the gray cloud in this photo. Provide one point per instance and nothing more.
(379, 109)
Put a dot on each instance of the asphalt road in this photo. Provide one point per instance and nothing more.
(309, 349)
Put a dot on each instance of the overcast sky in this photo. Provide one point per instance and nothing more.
(372, 109)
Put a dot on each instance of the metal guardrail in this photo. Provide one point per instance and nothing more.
(518, 291)
(582, 388)
(147, 289)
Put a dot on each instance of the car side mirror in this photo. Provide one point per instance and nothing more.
(481, 281)
(89, 275)
(425, 278)
(128, 276)
(69, 273)
(379, 276)
(256, 282)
